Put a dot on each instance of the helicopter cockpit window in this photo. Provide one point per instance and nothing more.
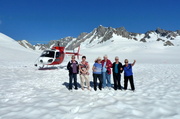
(48, 54)
(57, 54)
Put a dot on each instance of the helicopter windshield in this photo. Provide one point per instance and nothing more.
(48, 54)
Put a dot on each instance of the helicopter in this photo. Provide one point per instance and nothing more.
(53, 56)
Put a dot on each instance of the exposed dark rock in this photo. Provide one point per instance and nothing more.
(178, 32)
(122, 32)
(171, 35)
(108, 34)
(91, 34)
(101, 31)
(162, 32)
(165, 33)
(134, 34)
(147, 34)
(168, 43)
(98, 33)
(135, 39)
(143, 40)
(64, 42)
(107, 37)
(82, 35)
(159, 39)
(73, 44)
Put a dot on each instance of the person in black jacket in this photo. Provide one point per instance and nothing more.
(73, 68)
(117, 70)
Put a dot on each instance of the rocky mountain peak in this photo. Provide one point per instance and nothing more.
(178, 32)
(166, 33)
(82, 35)
(160, 31)
(100, 31)
(121, 29)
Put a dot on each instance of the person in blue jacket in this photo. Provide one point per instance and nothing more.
(97, 73)
(128, 74)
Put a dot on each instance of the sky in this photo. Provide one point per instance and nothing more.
(39, 21)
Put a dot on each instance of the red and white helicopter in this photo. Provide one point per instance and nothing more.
(54, 56)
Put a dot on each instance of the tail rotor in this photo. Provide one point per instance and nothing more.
(78, 52)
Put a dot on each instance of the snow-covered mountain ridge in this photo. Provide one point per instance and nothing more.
(103, 34)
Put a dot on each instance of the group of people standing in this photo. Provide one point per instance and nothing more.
(102, 72)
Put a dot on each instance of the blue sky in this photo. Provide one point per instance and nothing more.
(40, 21)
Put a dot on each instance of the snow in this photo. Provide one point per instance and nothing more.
(140, 36)
(70, 42)
(25, 44)
(176, 41)
(28, 93)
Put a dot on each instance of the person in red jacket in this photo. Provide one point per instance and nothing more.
(106, 72)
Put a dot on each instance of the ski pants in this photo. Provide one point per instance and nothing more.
(86, 78)
(130, 79)
(107, 77)
(95, 77)
(71, 77)
(117, 81)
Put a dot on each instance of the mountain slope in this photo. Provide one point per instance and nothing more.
(26, 44)
(11, 50)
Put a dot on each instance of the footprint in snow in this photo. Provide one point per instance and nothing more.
(101, 95)
(75, 110)
(111, 93)
(90, 104)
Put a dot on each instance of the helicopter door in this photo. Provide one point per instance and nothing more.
(57, 57)
(57, 54)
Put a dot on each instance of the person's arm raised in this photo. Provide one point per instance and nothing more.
(134, 63)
